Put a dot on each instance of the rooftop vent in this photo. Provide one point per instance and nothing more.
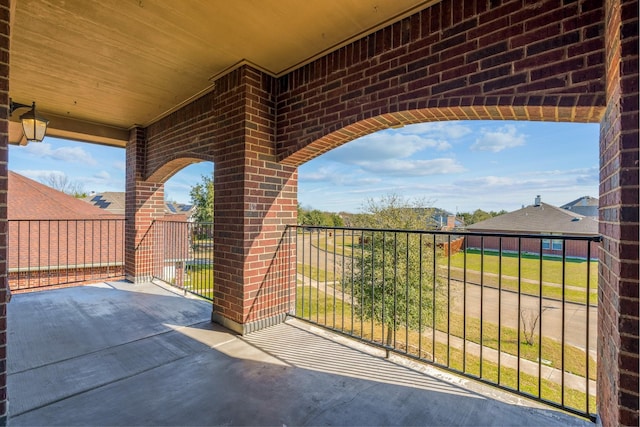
(537, 201)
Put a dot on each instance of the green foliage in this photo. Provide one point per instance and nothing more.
(202, 198)
(319, 218)
(479, 215)
(392, 281)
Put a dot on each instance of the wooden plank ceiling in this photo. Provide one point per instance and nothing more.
(97, 68)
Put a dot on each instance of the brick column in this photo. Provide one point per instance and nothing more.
(5, 26)
(618, 302)
(144, 203)
(255, 198)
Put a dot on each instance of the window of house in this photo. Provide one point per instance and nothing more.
(554, 245)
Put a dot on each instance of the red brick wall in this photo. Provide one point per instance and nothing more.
(618, 318)
(5, 26)
(572, 248)
(457, 60)
(144, 203)
(26, 281)
(64, 243)
(255, 198)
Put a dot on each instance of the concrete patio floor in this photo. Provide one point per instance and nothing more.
(122, 354)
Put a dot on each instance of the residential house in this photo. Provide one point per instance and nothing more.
(114, 202)
(585, 205)
(55, 238)
(537, 219)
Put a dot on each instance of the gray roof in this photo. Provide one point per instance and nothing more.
(541, 219)
(112, 201)
(585, 205)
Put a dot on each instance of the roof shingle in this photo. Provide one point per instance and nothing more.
(540, 219)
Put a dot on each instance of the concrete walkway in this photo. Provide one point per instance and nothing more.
(123, 354)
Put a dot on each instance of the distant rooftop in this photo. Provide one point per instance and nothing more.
(585, 205)
(28, 199)
(539, 218)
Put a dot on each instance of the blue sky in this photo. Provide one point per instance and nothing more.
(458, 166)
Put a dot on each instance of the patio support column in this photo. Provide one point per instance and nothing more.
(5, 26)
(255, 199)
(618, 295)
(144, 203)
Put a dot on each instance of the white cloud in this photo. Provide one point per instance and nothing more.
(65, 154)
(336, 177)
(41, 175)
(448, 130)
(102, 175)
(384, 146)
(121, 166)
(497, 140)
(409, 168)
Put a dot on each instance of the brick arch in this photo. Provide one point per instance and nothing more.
(456, 109)
(520, 60)
(174, 164)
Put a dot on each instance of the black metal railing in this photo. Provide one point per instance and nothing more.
(514, 311)
(49, 253)
(183, 255)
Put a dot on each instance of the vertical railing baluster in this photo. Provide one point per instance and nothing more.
(302, 287)
(464, 308)
(353, 236)
(395, 287)
(326, 244)
(588, 326)
(540, 321)
(406, 295)
(434, 307)
(481, 301)
(562, 339)
(317, 276)
(342, 271)
(384, 288)
(361, 304)
(519, 310)
(499, 307)
(420, 325)
(448, 255)
(373, 282)
(334, 234)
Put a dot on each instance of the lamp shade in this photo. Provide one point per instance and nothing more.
(34, 125)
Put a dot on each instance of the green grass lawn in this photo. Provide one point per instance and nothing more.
(487, 269)
(575, 274)
(314, 273)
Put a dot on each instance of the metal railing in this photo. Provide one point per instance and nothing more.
(50, 253)
(183, 255)
(514, 311)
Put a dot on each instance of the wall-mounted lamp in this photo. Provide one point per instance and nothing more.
(33, 124)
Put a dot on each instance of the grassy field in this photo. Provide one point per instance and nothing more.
(334, 313)
(493, 270)
(486, 268)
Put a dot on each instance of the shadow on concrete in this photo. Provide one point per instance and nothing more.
(127, 354)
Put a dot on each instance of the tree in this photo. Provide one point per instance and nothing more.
(61, 182)
(479, 215)
(318, 218)
(202, 198)
(393, 279)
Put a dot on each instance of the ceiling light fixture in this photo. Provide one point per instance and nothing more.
(34, 125)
